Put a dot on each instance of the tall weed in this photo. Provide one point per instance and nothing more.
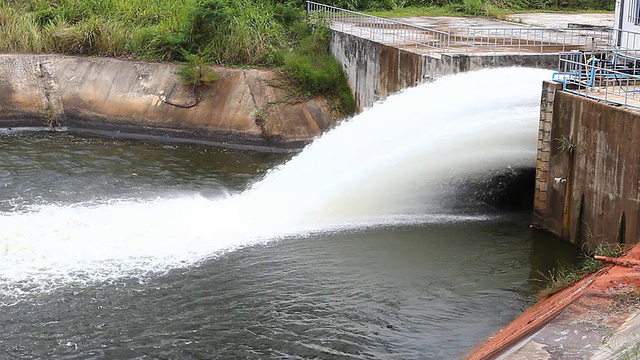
(19, 32)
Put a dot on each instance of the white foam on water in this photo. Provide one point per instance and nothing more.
(389, 165)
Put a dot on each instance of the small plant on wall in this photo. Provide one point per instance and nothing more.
(566, 145)
(50, 116)
(196, 71)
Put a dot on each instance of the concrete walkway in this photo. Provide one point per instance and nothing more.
(547, 20)
(556, 20)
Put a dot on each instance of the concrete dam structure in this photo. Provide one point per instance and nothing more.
(383, 56)
(376, 70)
(588, 169)
(587, 182)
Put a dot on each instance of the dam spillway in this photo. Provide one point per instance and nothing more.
(107, 235)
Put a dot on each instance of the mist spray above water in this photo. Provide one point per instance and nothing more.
(389, 165)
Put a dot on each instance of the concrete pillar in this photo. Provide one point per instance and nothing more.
(549, 89)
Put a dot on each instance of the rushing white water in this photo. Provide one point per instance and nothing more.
(388, 165)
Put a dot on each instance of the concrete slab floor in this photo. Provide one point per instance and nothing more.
(443, 23)
(481, 36)
(549, 20)
(557, 20)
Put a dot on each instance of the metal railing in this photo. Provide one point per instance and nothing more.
(625, 39)
(381, 30)
(614, 79)
(611, 75)
(460, 39)
(528, 39)
(606, 67)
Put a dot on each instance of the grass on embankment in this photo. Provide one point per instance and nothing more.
(564, 277)
(263, 33)
(231, 32)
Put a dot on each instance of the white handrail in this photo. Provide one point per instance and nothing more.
(460, 39)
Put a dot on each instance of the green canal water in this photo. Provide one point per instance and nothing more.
(377, 241)
(425, 289)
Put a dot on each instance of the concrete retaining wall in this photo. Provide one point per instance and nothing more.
(375, 71)
(436, 66)
(592, 189)
(136, 99)
(549, 89)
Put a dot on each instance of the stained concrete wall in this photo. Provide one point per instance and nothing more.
(593, 181)
(137, 99)
(445, 64)
(549, 89)
(375, 70)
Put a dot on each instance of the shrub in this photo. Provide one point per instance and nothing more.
(473, 7)
(196, 71)
(288, 14)
(316, 71)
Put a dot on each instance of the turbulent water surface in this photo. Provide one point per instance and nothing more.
(358, 247)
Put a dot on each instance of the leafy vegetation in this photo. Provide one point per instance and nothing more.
(315, 70)
(229, 32)
(566, 145)
(196, 71)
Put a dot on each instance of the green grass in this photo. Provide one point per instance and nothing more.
(564, 277)
(230, 32)
(561, 279)
(315, 71)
